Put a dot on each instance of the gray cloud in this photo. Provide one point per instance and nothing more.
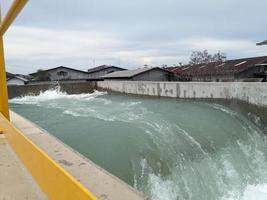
(132, 33)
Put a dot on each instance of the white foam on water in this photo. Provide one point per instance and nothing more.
(256, 119)
(257, 192)
(54, 94)
(192, 140)
(251, 192)
(35, 99)
(130, 112)
(162, 189)
(223, 109)
(130, 104)
(72, 113)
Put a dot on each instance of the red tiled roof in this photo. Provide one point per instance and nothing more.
(227, 67)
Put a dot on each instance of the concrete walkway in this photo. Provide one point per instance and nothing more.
(16, 183)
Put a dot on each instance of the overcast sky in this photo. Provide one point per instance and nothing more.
(86, 33)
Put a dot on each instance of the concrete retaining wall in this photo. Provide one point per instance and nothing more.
(252, 93)
(69, 87)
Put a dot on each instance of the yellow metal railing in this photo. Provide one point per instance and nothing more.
(14, 10)
(3, 88)
(55, 181)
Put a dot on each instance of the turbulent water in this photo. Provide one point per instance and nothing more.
(169, 149)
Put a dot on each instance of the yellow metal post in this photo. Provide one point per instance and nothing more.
(14, 10)
(55, 181)
(12, 13)
(3, 84)
(1, 130)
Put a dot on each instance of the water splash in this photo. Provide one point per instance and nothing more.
(181, 150)
(54, 94)
(258, 192)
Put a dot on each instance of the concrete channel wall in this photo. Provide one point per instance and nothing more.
(252, 93)
(68, 87)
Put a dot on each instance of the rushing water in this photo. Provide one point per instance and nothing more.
(169, 149)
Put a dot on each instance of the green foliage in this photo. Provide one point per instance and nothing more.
(42, 75)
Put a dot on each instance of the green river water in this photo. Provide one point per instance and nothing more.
(169, 149)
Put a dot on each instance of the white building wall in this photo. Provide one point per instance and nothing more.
(15, 81)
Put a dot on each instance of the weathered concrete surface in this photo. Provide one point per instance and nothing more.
(101, 183)
(252, 93)
(68, 87)
(15, 181)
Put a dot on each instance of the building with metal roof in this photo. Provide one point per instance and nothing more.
(60, 73)
(97, 73)
(262, 43)
(244, 69)
(17, 80)
(142, 74)
(9, 75)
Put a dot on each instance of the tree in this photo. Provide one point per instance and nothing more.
(164, 66)
(203, 57)
(219, 57)
(42, 75)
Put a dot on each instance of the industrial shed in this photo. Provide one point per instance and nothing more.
(9, 75)
(245, 69)
(98, 72)
(60, 73)
(16, 79)
(143, 74)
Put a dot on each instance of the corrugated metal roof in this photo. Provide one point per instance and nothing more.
(129, 73)
(262, 43)
(102, 67)
(227, 67)
(60, 67)
(9, 75)
(19, 77)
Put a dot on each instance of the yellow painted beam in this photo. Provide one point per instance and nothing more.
(1, 130)
(14, 10)
(55, 181)
(3, 83)
(12, 13)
